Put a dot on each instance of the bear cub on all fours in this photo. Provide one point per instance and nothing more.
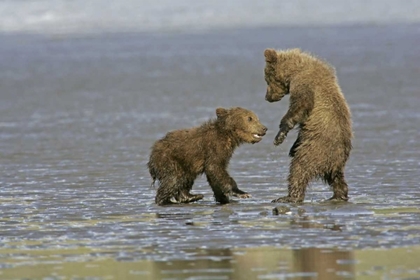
(178, 158)
(318, 106)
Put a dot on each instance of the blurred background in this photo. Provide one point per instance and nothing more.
(95, 16)
(86, 87)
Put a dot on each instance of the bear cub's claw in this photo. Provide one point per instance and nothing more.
(194, 197)
(242, 195)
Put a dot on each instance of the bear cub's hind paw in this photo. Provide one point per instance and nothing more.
(186, 198)
(287, 199)
(338, 199)
(194, 197)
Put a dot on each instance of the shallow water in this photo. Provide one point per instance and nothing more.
(78, 116)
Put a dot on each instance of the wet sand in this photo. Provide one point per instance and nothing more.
(78, 116)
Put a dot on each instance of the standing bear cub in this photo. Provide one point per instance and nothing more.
(318, 106)
(178, 158)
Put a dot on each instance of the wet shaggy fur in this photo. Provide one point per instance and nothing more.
(319, 108)
(178, 158)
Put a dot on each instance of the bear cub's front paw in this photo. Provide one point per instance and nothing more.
(240, 193)
(281, 135)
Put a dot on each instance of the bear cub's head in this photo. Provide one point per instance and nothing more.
(243, 123)
(277, 87)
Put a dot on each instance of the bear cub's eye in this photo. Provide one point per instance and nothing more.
(250, 119)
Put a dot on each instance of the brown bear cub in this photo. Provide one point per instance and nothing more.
(318, 106)
(178, 158)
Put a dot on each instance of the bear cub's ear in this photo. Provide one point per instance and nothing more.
(221, 112)
(270, 55)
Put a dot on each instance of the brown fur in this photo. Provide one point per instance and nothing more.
(318, 106)
(179, 157)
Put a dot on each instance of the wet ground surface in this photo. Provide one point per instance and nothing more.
(77, 119)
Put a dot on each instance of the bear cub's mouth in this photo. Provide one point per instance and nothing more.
(258, 135)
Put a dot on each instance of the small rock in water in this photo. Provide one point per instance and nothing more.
(281, 210)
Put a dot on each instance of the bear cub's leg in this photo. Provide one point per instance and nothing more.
(294, 147)
(175, 190)
(184, 195)
(223, 185)
(298, 179)
(339, 186)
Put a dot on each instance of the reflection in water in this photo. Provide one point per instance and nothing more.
(261, 263)
(324, 264)
(245, 263)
